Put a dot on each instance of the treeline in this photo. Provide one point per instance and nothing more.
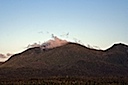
(68, 81)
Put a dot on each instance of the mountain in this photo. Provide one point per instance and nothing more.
(71, 59)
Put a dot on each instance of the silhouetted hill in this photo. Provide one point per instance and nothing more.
(117, 54)
(68, 60)
(118, 47)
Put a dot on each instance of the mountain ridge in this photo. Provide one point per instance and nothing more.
(70, 59)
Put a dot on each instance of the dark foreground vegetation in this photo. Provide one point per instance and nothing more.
(67, 81)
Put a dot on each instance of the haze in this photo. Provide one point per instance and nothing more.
(95, 22)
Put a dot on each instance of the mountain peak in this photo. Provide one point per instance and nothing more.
(119, 44)
(119, 47)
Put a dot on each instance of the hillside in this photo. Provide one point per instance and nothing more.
(70, 59)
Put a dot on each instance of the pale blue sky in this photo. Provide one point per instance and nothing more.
(95, 22)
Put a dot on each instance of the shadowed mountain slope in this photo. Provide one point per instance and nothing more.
(71, 59)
